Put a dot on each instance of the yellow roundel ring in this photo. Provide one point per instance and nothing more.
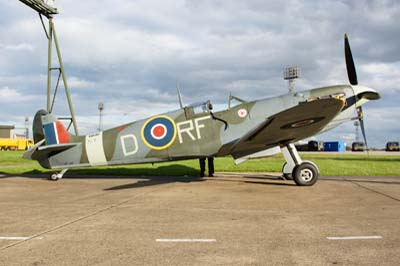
(159, 132)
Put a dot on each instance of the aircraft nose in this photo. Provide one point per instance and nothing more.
(365, 93)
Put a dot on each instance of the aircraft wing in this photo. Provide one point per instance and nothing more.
(299, 122)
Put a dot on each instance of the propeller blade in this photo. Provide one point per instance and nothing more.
(351, 69)
(361, 119)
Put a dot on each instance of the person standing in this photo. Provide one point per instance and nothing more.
(202, 161)
(210, 166)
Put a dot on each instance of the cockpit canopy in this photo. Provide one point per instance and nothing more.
(198, 108)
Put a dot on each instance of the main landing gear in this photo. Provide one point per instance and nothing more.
(304, 173)
(58, 176)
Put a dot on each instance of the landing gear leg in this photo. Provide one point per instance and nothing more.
(304, 173)
(57, 176)
(292, 159)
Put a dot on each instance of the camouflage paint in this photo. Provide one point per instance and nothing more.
(251, 127)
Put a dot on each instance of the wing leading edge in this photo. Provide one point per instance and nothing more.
(299, 122)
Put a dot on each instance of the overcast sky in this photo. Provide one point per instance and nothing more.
(131, 54)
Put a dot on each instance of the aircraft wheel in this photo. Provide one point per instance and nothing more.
(54, 177)
(287, 176)
(305, 174)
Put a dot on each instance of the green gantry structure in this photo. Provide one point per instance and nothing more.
(48, 11)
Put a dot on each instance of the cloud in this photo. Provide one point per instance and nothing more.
(15, 97)
(7, 94)
(18, 47)
(131, 54)
(75, 82)
(384, 76)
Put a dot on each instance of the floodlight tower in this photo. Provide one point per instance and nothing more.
(101, 108)
(291, 74)
(45, 8)
(357, 125)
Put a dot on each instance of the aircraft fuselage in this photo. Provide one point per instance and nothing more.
(192, 132)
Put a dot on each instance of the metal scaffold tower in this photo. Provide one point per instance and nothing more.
(45, 8)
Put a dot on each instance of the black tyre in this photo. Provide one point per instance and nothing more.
(305, 174)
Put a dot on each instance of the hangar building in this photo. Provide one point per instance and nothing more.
(7, 132)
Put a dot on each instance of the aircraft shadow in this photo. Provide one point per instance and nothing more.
(349, 179)
(38, 175)
(265, 177)
(154, 181)
(270, 183)
(152, 176)
(174, 170)
(267, 180)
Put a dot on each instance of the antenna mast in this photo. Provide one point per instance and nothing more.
(45, 8)
(179, 95)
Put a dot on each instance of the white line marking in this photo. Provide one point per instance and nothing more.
(353, 237)
(186, 240)
(18, 237)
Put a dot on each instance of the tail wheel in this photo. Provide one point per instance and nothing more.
(54, 177)
(305, 174)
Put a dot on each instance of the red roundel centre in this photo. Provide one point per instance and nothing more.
(158, 131)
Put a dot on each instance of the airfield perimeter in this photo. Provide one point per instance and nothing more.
(231, 219)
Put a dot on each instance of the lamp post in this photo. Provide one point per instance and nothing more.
(27, 127)
(101, 108)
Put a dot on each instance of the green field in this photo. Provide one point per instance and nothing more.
(11, 162)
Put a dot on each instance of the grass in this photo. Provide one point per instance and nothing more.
(11, 162)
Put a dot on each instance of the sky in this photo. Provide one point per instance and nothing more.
(132, 54)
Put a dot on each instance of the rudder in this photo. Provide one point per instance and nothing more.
(46, 126)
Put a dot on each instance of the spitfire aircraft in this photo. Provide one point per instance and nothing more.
(250, 129)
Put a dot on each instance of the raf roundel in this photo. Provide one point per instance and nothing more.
(242, 113)
(159, 132)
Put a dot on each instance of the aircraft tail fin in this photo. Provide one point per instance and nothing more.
(50, 137)
(47, 126)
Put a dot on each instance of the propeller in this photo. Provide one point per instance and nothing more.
(351, 68)
(352, 75)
